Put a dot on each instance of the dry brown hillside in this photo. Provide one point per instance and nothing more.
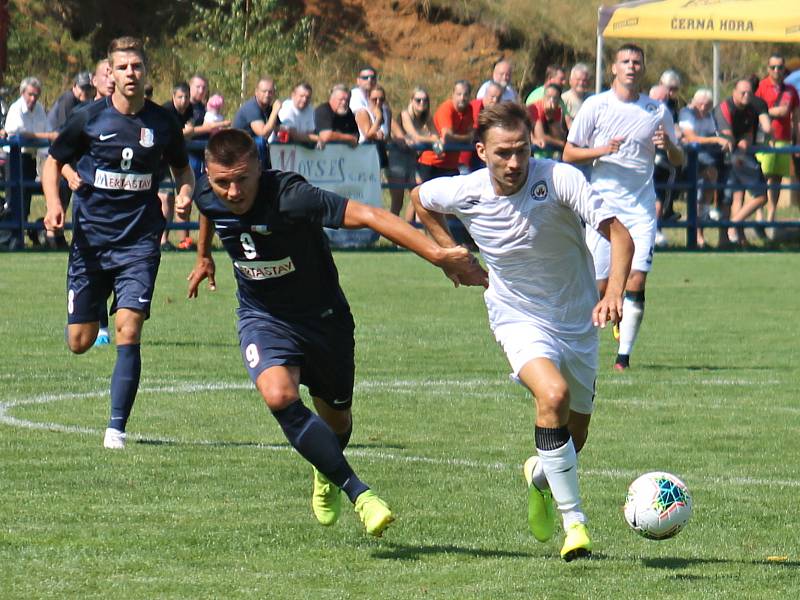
(409, 44)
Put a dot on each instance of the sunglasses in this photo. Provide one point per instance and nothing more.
(420, 100)
(776, 67)
(378, 98)
(367, 76)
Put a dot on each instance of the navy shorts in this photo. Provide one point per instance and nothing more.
(88, 288)
(323, 347)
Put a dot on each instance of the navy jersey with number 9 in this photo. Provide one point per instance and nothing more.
(119, 157)
(281, 257)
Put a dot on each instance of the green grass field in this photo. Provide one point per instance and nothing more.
(208, 501)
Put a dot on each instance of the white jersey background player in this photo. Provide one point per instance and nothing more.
(526, 218)
(619, 131)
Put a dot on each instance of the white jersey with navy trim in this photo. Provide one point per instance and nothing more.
(624, 178)
(532, 242)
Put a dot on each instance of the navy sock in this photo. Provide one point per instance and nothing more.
(103, 317)
(317, 443)
(124, 384)
(344, 438)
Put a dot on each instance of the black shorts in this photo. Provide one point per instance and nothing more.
(323, 347)
(88, 287)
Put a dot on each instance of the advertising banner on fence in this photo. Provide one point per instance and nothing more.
(350, 172)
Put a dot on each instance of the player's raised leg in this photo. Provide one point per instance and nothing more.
(326, 499)
(317, 443)
(556, 451)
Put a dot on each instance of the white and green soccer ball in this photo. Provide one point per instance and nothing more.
(658, 505)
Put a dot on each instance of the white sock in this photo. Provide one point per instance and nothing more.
(632, 315)
(561, 468)
(539, 479)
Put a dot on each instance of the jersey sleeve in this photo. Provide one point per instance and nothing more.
(440, 195)
(298, 199)
(669, 126)
(71, 143)
(575, 192)
(580, 134)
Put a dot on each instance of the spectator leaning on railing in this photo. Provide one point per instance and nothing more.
(739, 121)
(697, 126)
(453, 121)
(27, 119)
(334, 121)
(297, 116)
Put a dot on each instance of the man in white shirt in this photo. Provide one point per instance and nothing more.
(297, 116)
(501, 75)
(27, 119)
(619, 131)
(526, 216)
(359, 96)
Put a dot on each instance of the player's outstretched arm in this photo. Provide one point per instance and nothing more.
(204, 267)
(610, 306)
(54, 217)
(436, 225)
(577, 155)
(456, 260)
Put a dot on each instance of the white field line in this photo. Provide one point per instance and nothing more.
(367, 453)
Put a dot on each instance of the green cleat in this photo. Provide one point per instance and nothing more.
(326, 501)
(541, 513)
(577, 543)
(374, 513)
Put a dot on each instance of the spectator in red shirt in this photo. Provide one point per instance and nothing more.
(549, 130)
(453, 121)
(783, 103)
(492, 95)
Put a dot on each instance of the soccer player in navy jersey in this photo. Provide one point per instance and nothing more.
(295, 325)
(118, 144)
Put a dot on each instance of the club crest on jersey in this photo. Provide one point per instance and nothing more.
(539, 190)
(146, 138)
(651, 108)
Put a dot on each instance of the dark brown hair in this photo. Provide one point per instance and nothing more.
(229, 146)
(506, 115)
(126, 44)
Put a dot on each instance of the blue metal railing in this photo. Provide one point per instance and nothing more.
(15, 184)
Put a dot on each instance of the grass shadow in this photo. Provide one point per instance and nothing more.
(674, 563)
(407, 552)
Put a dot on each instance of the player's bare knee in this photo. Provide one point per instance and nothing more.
(78, 344)
(553, 401)
(278, 398)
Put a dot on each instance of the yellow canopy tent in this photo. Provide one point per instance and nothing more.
(714, 20)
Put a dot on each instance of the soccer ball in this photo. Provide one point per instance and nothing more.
(658, 505)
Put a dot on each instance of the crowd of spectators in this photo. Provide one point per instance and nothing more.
(415, 143)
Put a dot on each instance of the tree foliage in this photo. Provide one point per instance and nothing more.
(262, 36)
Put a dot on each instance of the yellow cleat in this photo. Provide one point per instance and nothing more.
(615, 332)
(577, 543)
(374, 513)
(541, 513)
(326, 500)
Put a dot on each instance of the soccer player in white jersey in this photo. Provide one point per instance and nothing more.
(525, 217)
(618, 131)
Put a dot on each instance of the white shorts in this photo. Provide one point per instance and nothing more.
(576, 359)
(644, 241)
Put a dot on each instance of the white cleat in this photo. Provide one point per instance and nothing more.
(114, 439)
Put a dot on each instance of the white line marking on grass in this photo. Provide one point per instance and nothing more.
(368, 453)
